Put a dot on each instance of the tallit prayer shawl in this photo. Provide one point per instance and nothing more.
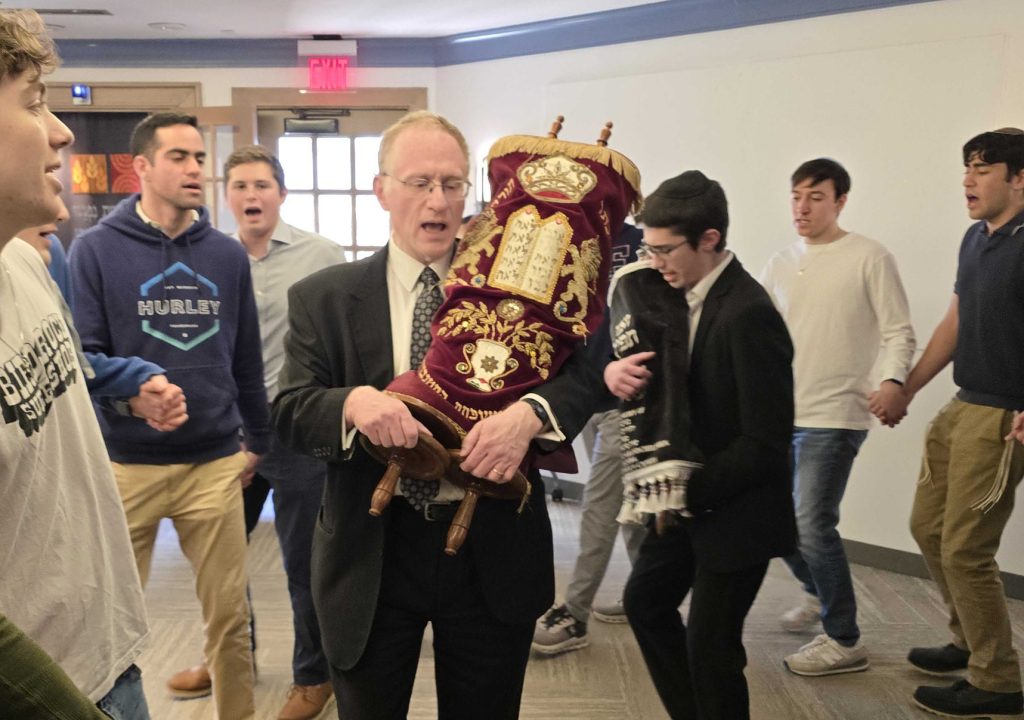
(657, 456)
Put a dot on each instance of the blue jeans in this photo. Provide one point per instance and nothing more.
(298, 484)
(822, 459)
(126, 701)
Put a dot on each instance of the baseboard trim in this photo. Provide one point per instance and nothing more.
(876, 556)
(912, 564)
(560, 488)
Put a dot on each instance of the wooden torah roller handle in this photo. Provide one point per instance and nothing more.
(427, 460)
(518, 488)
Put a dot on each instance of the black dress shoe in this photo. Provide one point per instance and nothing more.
(963, 700)
(939, 660)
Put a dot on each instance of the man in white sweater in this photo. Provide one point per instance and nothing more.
(842, 299)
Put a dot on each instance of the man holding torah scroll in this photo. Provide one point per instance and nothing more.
(377, 581)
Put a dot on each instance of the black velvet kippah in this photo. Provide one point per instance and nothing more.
(691, 184)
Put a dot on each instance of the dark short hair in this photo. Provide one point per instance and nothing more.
(1005, 145)
(254, 154)
(143, 140)
(689, 205)
(820, 170)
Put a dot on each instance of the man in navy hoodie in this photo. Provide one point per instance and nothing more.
(154, 279)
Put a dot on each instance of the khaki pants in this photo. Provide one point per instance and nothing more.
(960, 510)
(205, 502)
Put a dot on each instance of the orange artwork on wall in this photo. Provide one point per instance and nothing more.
(89, 174)
(122, 177)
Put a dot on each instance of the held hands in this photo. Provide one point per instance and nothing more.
(1017, 429)
(495, 446)
(628, 376)
(384, 420)
(889, 403)
(160, 403)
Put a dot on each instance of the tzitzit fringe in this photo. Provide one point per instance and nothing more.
(1000, 481)
(553, 146)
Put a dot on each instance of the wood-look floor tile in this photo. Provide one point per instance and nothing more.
(605, 681)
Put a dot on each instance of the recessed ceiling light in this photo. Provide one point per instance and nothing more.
(71, 11)
(167, 26)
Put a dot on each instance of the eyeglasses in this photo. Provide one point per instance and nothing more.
(646, 251)
(453, 188)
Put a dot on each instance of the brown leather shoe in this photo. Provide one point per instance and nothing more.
(306, 702)
(192, 683)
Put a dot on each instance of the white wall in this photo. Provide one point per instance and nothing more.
(892, 94)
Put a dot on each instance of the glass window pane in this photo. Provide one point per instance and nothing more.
(372, 223)
(296, 156)
(336, 218)
(209, 191)
(360, 254)
(225, 220)
(298, 210)
(225, 145)
(333, 163)
(366, 161)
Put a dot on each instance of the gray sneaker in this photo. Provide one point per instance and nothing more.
(558, 631)
(824, 656)
(804, 616)
(613, 613)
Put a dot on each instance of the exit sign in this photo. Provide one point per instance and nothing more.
(327, 72)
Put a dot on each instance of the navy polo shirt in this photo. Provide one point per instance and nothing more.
(988, 364)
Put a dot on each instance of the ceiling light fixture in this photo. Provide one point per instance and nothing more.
(167, 26)
(71, 11)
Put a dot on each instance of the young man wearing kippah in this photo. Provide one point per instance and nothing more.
(739, 510)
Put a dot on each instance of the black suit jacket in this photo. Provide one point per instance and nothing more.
(339, 338)
(741, 394)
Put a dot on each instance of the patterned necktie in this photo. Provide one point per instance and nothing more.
(422, 313)
(420, 492)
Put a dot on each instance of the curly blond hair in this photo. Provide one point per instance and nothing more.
(25, 44)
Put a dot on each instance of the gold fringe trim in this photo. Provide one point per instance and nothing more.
(534, 145)
(999, 483)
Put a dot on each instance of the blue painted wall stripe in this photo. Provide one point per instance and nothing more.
(643, 22)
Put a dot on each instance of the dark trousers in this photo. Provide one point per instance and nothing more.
(298, 484)
(697, 668)
(479, 661)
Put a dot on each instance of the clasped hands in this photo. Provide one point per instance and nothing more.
(889, 403)
(160, 403)
(493, 449)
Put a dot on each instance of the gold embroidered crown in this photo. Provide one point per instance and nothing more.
(557, 178)
(555, 175)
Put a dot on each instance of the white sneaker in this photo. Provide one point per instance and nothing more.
(824, 656)
(804, 616)
(613, 613)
